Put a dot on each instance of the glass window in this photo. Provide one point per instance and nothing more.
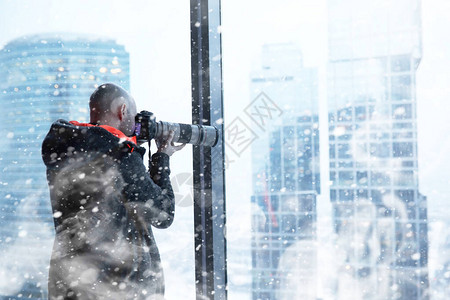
(345, 115)
(403, 111)
(275, 161)
(289, 161)
(336, 215)
(49, 67)
(401, 63)
(401, 87)
(380, 179)
(404, 178)
(402, 149)
(346, 178)
(344, 151)
(362, 194)
(380, 150)
(361, 178)
(288, 224)
(402, 126)
(345, 195)
(360, 113)
(332, 151)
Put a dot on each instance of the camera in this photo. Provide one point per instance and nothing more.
(148, 128)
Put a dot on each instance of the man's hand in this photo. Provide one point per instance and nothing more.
(166, 145)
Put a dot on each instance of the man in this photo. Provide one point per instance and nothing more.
(104, 202)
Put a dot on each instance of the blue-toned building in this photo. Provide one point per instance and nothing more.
(380, 217)
(42, 78)
(286, 178)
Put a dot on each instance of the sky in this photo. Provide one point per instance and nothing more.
(156, 34)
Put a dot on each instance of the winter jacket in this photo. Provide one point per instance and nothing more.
(104, 202)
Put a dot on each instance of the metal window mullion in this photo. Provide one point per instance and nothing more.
(208, 163)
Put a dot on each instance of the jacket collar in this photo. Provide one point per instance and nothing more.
(112, 130)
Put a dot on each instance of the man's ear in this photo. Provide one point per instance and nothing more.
(122, 111)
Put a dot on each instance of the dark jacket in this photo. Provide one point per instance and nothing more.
(104, 202)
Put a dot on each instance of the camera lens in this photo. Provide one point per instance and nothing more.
(147, 128)
(200, 135)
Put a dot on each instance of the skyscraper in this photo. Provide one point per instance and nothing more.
(285, 171)
(380, 216)
(42, 78)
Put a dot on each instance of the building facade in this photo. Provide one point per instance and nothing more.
(286, 178)
(42, 78)
(380, 217)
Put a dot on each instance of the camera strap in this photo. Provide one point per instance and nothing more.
(112, 130)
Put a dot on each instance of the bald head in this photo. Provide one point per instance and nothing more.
(103, 98)
(112, 105)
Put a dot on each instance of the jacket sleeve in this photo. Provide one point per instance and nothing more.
(149, 195)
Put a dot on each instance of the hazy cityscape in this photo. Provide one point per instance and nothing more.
(328, 193)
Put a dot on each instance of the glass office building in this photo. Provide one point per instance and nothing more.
(380, 216)
(285, 172)
(42, 78)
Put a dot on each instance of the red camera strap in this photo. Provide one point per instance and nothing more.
(112, 130)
